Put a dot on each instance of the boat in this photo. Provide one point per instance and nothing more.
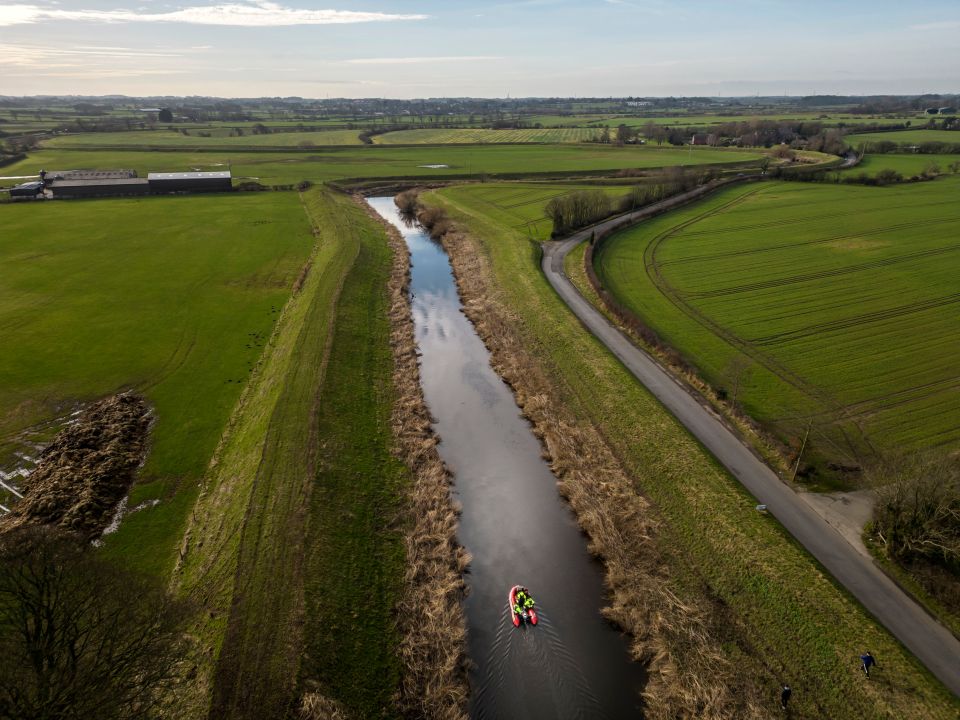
(528, 615)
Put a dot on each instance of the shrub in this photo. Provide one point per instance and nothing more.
(888, 176)
(407, 202)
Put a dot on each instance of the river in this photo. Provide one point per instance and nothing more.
(515, 525)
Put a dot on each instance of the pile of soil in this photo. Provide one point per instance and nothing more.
(87, 469)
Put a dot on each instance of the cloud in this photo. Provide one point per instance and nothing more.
(942, 25)
(98, 59)
(247, 13)
(421, 60)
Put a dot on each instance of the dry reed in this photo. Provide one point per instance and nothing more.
(314, 706)
(689, 674)
(430, 611)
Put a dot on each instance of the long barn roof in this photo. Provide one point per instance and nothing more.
(222, 174)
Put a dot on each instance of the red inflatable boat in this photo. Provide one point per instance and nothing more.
(526, 615)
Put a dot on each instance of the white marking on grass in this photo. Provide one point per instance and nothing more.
(11, 489)
(120, 514)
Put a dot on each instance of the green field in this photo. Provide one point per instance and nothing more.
(698, 120)
(840, 319)
(520, 206)
(446, 137)
(374, 162)
(171, 296)
(219, 138)
(191, 301)
(906, 165)
(557, 121)
(905, 137)
(782, 616)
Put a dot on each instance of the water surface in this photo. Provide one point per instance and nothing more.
(514, 524)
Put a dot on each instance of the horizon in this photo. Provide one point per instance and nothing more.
(539, 98)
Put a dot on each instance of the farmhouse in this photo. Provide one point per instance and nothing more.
(703, 139)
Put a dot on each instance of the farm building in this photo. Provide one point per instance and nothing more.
(53, 176)
(65, 189)
(69, 184)
(27, 190)
(190, 182)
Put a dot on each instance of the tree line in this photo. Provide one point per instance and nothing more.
(585, 207)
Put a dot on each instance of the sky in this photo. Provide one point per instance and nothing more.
(444, 48)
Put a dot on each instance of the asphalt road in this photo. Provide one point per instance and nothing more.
(928, 640)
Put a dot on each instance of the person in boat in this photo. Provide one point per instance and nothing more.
(524, 599)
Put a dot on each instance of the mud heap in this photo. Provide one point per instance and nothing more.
(87, 469)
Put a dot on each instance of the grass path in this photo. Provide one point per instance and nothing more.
(354, 550)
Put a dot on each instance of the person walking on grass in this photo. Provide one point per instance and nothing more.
(785, 693)
(867, 662)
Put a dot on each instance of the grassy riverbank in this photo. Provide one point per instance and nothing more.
(355, 556)
(295, 552)
(770, 610)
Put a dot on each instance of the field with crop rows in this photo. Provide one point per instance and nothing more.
(842, 319)
(445, 137)
(173, 296)
(905, 137)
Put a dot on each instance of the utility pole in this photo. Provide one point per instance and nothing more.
(800, 454)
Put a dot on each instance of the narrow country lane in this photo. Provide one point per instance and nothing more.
(933, 644)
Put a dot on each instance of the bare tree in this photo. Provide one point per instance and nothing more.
(78, 637)
(738, 369)
(656, 132)
(917, 515)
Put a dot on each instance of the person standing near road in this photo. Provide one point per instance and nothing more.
(785, 693)
(867, 662)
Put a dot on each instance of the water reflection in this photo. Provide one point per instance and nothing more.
(516, 527)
